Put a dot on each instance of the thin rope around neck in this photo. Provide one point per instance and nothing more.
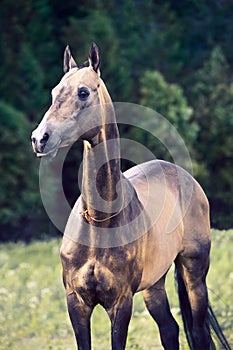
(90, 218)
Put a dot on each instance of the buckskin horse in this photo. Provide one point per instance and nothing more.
(152, 215)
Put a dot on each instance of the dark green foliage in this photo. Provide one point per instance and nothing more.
(28, 52)
(172, 56)
(19, 199)
(168, 100)
(213, 111)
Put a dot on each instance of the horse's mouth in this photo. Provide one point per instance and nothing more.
(52, 153)
(48, 151)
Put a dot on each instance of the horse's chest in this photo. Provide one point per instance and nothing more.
(95, 283)
(93, 276)
(101, 275)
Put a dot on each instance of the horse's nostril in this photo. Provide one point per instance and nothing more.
(44, 138)
(33, 140)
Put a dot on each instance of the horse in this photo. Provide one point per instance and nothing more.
(151, 216)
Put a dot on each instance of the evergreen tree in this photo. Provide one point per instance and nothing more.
(19, 197)
(169, 101)
(27, 51)
(99, 27)
(213, 111)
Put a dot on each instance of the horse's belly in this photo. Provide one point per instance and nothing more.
(160, 253)
(161, 203)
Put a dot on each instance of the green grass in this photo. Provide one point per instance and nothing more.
(33, 311)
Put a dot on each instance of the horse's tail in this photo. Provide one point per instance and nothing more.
(187, 318)
(217, 329)
(185, 308)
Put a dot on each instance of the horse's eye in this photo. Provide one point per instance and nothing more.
(83, 93)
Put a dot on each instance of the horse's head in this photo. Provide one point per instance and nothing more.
(67, 118)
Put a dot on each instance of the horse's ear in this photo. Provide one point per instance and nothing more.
(69, 62)
(94, 58)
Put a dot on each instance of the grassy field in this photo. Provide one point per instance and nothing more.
(33, 310)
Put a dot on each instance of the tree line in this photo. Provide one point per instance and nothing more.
(172, 56)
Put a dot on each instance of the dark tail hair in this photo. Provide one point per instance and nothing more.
(187, 318)
(217, 329)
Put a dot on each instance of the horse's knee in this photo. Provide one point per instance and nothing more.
(193, 271)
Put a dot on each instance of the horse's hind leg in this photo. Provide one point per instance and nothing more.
(157, 304)
(192, 268)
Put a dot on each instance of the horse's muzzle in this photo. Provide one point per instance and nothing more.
(39, 143)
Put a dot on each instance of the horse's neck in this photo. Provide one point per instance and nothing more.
(101, 187)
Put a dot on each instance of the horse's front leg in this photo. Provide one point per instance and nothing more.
(120, 315)
(80, 315)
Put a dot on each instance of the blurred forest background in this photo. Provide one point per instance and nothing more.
(173, 56)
